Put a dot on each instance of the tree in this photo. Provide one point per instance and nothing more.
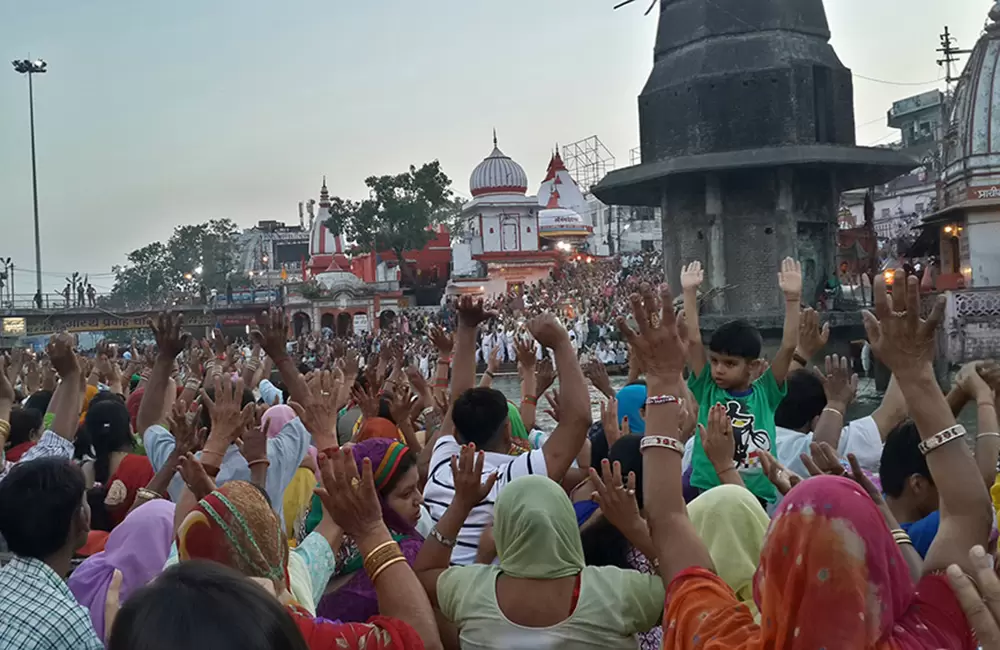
(398, 213)
(157, 272)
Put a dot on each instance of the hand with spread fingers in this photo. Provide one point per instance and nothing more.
(545, 375)
(229, 418)
(552, 397)
(597, 373)
(812, 337)
(467, 469)
(899, 337)
(195, 476)
(660, 344)
(184, 426)
(471, 312)
(616, 497)
(548, 331)
(525, 350)
(366, 399)
(442, 340)
(351, 500)
(253, 443)
(979, 596)
(839, 383)
(61, 351)
(271, 333)
(319, 413)
(783, 479)
(688, 416)
(170, 339)
(822, 459)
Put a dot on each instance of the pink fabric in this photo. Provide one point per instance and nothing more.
(275, 419)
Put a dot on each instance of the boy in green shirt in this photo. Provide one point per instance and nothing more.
(725, 376)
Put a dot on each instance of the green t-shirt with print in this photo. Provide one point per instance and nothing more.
(752, 415)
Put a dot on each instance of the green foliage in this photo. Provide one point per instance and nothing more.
(397, 213)
(157, 271)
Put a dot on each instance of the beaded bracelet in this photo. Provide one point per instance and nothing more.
(829, 409)
(655, 400)
(951, 433)
(530, 399)
(662, 442)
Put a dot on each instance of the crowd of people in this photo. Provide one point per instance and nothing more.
(368, 492)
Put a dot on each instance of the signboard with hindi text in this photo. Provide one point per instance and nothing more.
(984, 193)
(105, 322)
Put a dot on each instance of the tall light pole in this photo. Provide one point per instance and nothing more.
(31, 68)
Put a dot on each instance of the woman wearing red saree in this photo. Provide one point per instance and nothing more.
(116, 474)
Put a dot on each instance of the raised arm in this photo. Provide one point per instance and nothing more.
(906, 343)
(565, 442)
(812, 338)
(790, 282)
(353, 503)
(891, 411)
(463, 371)
(661, 347)
(69, 392)
(526, 361)
(170, 341)
(272, 335)
(692, 276)
(988, 438)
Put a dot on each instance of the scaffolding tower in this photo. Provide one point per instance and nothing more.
(588, 161)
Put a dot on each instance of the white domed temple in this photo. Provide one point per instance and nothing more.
(563, 206)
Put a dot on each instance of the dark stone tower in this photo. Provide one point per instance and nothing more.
(747, 132)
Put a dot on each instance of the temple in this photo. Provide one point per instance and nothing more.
(747, 140)
(563, 206)
(326, 250)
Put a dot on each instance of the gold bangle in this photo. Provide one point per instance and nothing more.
(381, 569)
(4, 428)
(379, 548)
(374, 560)
(147, 495)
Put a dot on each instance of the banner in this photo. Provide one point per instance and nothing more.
(104, 322)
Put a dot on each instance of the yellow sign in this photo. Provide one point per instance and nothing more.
(13, 326)
(104, 322)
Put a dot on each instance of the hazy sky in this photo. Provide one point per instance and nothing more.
(159, 114)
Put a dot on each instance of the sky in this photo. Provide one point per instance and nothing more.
(154, 115)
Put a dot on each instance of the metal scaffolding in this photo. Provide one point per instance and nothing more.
(588, 161)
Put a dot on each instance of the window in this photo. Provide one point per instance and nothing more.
(920, 208)
(885, 213)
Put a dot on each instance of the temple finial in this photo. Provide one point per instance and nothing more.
(495, 137)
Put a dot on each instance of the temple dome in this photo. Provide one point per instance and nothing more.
(498, 174)
(972, 141)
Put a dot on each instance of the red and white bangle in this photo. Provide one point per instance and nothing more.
(662, 442)
(654, 400)
(951, 433)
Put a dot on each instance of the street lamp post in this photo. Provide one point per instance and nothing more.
(31, 68)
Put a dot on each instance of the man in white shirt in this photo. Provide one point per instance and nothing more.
(480, 416)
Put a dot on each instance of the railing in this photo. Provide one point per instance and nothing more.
(972, 324)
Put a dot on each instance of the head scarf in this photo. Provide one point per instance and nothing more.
(732, 523)
(830, 573)
(138, 547)
(357, 601)
(236, 526)
(517, 428)
(90, 394)
(535, 529)
(275, 419)
(630, 400)
(378, 428)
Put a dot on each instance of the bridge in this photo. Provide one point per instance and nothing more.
(21, 317)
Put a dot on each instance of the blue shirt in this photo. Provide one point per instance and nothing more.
(38, 611)
(923, 531)
(284, 451)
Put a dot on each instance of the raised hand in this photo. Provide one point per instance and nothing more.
(822, 459)
(972, 382)
(185, 428)
(692, 275)
(660, 345)
(553, 399)
(6, 390)
(812, 337)
(319, 412)
(272, 333)
(525, 350)
(351, 500)
(979, 596)
(616, 496)
(61, 351)
(493, 364)
(471, 313)
(367, 400)
(545, 375)
(609, 421)
(597, 373)
(253, 444)
(899, 337)
(467, 470)
(688, 416)
(170, 340)
(839, 383)
(783, 479)
(717, 439)
(790, 279)
(195, 476)
(400, 405)
(442, 340)
(229, 418)
(547, 330)
(866, 484)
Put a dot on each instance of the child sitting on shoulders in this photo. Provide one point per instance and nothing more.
(734, 375)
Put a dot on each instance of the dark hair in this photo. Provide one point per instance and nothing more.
(737, 338)
(206, 605)
(603, 544)
(206, 419)
(385, 409)
(107, 427)
(39, 401)
(23, 422)
(901, 459)
(408, 460)
(478, 414)
(38, 501)
(804, 400)
(598, 443)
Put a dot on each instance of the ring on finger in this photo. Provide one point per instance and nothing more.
(355, 483)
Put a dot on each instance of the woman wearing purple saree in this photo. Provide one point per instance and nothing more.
(351, 595)
(138, 547)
